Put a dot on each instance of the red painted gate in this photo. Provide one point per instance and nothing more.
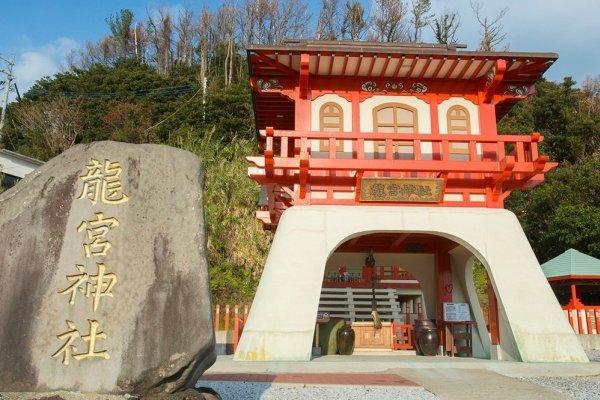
(401, 336)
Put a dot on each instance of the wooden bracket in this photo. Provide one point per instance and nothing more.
(303, 167)
(493, 84)
(507, 165)
(357, 185)
(304, 74)
(275, 64)
(269, 153)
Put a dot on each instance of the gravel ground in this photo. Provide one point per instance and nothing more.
(576, 387)
(593, 355)
(265, 391)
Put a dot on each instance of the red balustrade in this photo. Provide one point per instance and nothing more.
(489, 166)
(285, 150)
(585, 320)
(238, 318)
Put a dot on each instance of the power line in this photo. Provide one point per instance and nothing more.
(176, 111)
(168, 91)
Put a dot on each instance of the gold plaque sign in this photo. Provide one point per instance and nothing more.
(410, 190)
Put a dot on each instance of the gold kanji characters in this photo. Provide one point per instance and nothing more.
(68, 348)
(96, 230)
(103, 182)
(92, 286)
(91, 341)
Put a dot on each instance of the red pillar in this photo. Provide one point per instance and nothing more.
(493, 314)
(574, 300)
(302, 101)
(487, 123)
(436, 148)
(444, 286)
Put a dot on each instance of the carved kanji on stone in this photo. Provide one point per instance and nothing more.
(68, 349)
(92, 286)
(96, 230)
(103, 182)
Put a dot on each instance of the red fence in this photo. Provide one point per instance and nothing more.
(231, 318)
(585, 320)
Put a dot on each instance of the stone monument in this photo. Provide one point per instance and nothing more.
(103, 273)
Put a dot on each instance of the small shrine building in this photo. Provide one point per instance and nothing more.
(575, 280)
(392, 150)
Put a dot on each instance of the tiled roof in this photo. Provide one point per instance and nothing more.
(573, 263)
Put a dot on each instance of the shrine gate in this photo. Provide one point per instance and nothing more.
(359, 139)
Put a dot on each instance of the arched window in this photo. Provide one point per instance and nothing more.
(331, 119)
(459, 123)
(395, 118)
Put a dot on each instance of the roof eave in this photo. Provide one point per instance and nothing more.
(432, 51)
(22, 157)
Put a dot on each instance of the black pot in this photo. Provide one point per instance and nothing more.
(424, 324)
(426, 337)
(345, 340)
(428, 341)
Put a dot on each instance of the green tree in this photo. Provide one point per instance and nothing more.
(237, 245)
(564, 211)
(129, 101)
(559, 112)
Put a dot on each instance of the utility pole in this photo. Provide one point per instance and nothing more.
(8, 72)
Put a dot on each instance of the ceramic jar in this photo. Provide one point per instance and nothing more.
(427, 338)
(345, 340)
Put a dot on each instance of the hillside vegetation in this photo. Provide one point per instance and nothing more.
(142, 83)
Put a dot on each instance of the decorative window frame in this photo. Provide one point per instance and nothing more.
(397, 145)
(324, 144)
(453, 148)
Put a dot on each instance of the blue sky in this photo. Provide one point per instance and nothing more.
(40, 33)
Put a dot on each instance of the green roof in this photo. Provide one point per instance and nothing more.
(571, 262)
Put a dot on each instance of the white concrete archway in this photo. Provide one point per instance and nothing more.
(281, 320)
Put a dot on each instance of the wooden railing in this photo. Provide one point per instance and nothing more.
(231, 318)
(585, 320)
(283, 149)
(485, 167)
(343, 278)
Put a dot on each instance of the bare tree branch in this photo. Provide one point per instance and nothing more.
(354, 24)
(445, 26)
(388, 21)
(328, 25)
(55, 123)
(186, 35)
(492, 30)
(420, 17)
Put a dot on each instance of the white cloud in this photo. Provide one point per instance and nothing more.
(35, 62)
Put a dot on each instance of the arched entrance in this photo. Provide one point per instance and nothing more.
(282, 317)
(413, 275)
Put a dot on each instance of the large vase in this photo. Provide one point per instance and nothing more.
(345, 340)
(427, 338)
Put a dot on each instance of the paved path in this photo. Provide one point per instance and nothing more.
(438, 378)
(473, 384)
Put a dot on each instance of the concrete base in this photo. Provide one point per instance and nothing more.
(281, 321)
(224, 342)
(589, 342)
